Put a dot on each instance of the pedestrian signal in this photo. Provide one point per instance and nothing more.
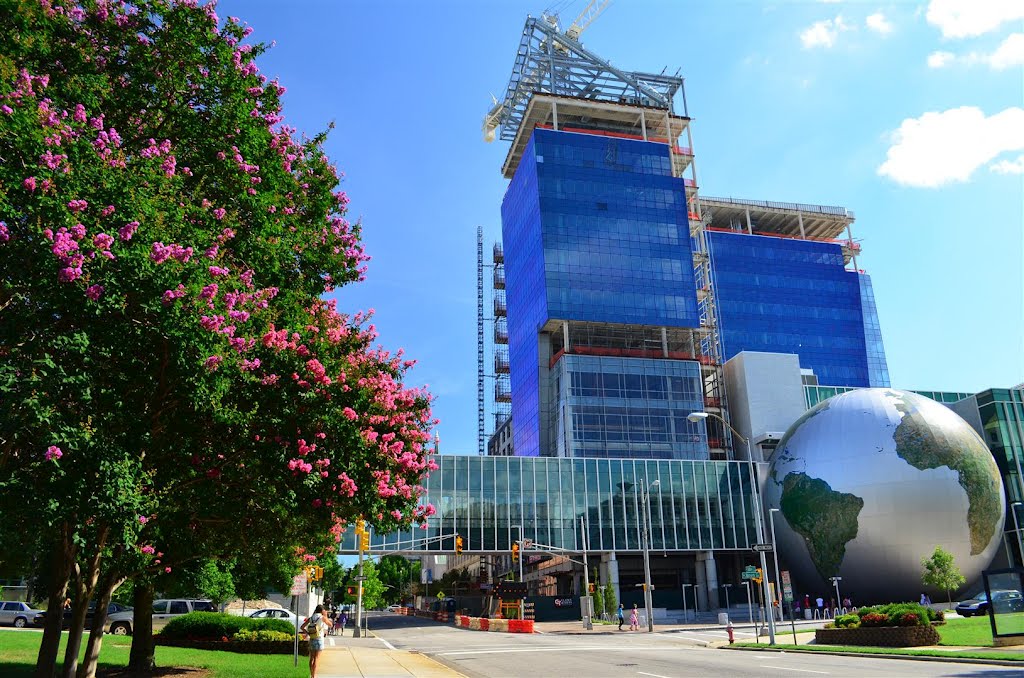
(515, 552)
(758, 577)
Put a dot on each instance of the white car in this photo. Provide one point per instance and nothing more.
(274, 613)
(17, 613)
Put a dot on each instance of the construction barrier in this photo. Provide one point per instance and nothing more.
(499, 625)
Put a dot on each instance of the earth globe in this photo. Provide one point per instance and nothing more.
(869, 482)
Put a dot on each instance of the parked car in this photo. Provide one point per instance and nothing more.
(394, 608)
(166, 610)
(275, 613)
(1002, 600)
(17, 613)
(116, 612)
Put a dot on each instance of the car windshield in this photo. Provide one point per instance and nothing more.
(981, 596)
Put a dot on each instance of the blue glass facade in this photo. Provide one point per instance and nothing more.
(878, 369)
(628, 407)
(791, 296)
(595, 229)
(697, 505)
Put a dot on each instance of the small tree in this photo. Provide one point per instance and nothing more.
(598, 601)
(941, 572)
(610, 603)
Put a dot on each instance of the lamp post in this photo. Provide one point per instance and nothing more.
(775, 556)
(727, 587)
(756, 492)
(835, 582)
(1016, 527)
(694, 603)
(645, 542)
(588, 612)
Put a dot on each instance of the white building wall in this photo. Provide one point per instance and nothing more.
(765, 394)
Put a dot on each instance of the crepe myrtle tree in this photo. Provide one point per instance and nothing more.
(175, 385)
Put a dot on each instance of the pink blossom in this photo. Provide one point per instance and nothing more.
(143, 519)
(108, 210)
(94, 292)
(53, 453)
(148, 550)
(5, 235)
(213, 362)
(29, 184)
(219, 213)
(77, 205)
(218, 271)
(167, 570)
(128, 230)
(79, 113)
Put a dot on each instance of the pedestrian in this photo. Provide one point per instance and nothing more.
(314, 626)
(342, 621)
(847, 603)
(807, 601)
(622, 616)
(821, 606)
(634, 619)
(925, 600)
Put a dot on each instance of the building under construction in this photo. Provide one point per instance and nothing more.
(619, 291)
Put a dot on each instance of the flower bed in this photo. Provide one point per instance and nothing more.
(880, 636)
(241, 647)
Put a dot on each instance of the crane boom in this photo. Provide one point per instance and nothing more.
(586, 17)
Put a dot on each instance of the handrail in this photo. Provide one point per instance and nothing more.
(799, 207)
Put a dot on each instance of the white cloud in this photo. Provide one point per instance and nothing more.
(878, 23)
(970, 18)
(946, 147)
(1009, 166)
(823, 33)
(940, 59)
(1009, 53)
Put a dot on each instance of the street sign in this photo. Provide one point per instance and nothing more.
(430, 576)
(787, 586)
(299, 585)
(750, 572)
(763, 547)
(785, 578)
(527, 543)
(440, 595)
(359, 577)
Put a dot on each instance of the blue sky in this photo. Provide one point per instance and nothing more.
(911, 114)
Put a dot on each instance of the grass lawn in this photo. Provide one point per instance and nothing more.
(974, 631)
(18, 650)
(1012, 656)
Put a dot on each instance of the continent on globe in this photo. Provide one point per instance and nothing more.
(924, 444)
(826, 519)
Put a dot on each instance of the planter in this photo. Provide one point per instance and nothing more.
(881, 636)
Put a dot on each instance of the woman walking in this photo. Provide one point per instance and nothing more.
(634, 619)
(315, 626)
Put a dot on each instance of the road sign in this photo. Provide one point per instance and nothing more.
(440, 595)
(527, 543)
(299, 585)
(359, 577)
(787, 586)
(785, 578)
(750, 572)
(763, 547)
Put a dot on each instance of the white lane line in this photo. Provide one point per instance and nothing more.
(790, 668)
(562, 648)
(386, 643)
(644, 673)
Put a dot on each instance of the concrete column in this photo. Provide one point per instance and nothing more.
(643, 124)
(750, 229)
(800, 220)
(565, 337)
(700, 591)
(611, 572)
(664, 342)
(554, 114)
(711, 575)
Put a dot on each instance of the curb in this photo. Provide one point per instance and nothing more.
(873, 655)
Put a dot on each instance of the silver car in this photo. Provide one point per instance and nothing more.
(166, 610)
(17, 613)
(275, 613)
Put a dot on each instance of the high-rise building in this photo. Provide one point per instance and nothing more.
(625, 291)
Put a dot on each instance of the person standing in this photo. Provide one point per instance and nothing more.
(821, 607)
(634, 619)
(925, 600)
(314, 626)
(622, 616)
(342, 621)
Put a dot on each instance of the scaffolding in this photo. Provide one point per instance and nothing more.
(558, 84)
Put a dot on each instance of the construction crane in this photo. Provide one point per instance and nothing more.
(593, 9)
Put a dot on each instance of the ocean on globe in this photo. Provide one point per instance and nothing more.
(869, 482)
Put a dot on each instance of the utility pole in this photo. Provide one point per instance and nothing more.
(588, 611)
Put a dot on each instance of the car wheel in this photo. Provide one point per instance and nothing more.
(20, 623)
(121, 629)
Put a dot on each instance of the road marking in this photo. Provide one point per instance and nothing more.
(643, 673)
(386, 643)
(790, 668)
(566, 648)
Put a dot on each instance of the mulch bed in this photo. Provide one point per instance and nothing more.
(159, 672)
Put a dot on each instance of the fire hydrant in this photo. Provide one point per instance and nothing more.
(728, 629)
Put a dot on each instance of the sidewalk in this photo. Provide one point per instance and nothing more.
(345, 656)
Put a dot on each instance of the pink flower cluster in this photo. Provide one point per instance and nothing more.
(162, 253)
(53, 453)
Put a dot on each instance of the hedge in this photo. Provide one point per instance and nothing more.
(217, 625)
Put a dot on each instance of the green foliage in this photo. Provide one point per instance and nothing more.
(847, 621)
(611, 605)
(260, 636)
(206, 579)
(598, 600)
(216, 625)
(941, 572)
(398, 573)
(895, 614)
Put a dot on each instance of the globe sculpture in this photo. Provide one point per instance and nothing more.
(871, 481)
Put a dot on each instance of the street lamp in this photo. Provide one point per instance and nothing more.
(835, 582)
(522, 604)
(694, 602)
(756, 490)
(645, 542)
(1016, 527)
(727, 587)
(775, 555)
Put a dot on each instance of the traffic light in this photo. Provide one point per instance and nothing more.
(515, 552)
(351, 590)
(319, 573)
(364, 541)
(593, 588)
(458, 544)
(360, 526)
(758, 577)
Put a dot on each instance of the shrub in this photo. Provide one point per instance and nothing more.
(260, 636)
(875, 619)
(909, 619)
(217, 625)
(847, 621)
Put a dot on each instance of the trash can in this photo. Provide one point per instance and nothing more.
(807, 614)
(723, 618)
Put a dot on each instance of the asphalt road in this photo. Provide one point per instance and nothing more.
(480, 654)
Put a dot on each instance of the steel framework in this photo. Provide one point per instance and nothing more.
(549, 60)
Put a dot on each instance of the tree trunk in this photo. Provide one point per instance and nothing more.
(85, 589)
(141, 659)
(99, 622)
(60, 568)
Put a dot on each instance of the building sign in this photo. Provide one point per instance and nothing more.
(565, 602)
